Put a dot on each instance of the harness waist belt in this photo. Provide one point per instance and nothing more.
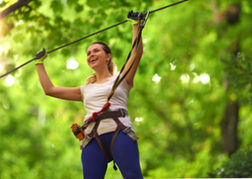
(111, 114)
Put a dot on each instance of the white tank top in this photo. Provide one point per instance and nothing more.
(95, 96)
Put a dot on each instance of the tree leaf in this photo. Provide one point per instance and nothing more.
(56, 6)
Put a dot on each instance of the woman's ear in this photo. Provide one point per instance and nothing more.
(109, 56)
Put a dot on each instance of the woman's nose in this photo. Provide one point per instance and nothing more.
(90, 54)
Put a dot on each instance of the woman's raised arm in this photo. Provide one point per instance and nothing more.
(73, 94)
(137, 54)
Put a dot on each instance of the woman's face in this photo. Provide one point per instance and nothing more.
(97, 58)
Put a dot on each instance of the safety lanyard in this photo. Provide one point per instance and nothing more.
(121, 76)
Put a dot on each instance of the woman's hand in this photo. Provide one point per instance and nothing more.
(41, 56)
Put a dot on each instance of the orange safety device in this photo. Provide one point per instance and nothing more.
(78, 132)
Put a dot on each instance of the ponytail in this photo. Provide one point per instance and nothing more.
(91, 79)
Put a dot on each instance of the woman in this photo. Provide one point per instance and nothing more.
(94, 95)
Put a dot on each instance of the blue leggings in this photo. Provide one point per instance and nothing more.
(125, 155)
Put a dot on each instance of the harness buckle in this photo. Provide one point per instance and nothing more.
(130, 133)
(143, 22)
(84, 142)
(88, 138)
(123, 112)
(127, 130)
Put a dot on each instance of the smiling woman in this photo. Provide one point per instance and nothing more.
(112, 138)
(99, 56)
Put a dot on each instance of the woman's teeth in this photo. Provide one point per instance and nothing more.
(93, 60)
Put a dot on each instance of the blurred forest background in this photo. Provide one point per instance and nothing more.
(191, 101)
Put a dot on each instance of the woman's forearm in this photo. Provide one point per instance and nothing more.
(44, 79)
(140, 48)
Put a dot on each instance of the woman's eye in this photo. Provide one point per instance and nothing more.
(95, 50)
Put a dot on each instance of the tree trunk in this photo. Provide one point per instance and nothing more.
(229, 128)
(229, 122)
(14, 7)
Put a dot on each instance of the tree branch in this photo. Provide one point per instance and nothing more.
(14, 7)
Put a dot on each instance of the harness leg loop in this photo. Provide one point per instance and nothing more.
(130, 133)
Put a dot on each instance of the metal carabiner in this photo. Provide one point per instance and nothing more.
(146, 16)
(143, 22)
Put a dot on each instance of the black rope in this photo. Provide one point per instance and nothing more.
(168, 6)
(17, 68)
(86, 37)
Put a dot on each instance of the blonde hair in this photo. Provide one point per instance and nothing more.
(111, 65)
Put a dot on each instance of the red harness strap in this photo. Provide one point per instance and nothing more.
(95, 114)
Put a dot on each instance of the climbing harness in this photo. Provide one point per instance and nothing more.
(79, 131)
(86, 37)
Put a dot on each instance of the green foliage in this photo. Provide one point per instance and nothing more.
(238, 166)
(239, 74)
(57, 7)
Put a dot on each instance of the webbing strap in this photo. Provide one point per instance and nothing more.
(114, 139)
(101, 146)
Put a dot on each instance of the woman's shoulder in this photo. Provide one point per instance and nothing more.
(124, 84)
